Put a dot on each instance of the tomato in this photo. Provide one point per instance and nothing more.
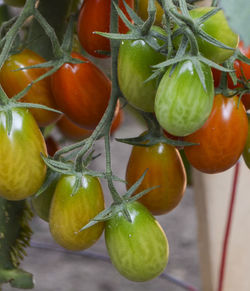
(139, 250)
(73, 132)
(52, 145)
(165, 169)
(135, 62)
(82, 92)
(246, 152)
(95, 16)
(240, 67)
(221, 139)
(15, 81)
(42, 203)
(217, 27)
(16, 3)
(142, 11)
(182, 105)
(22, 170)
(68, 214)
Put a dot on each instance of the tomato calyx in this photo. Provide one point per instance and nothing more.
(153, 135)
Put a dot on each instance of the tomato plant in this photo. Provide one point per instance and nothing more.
(139, 250)
(218, 148)
(22, 169)
(15, 81)
(182, 105)
(69, 213)
(246, 152)
(82, 92)
(135, 61)
(217, 27)
(165, 169)
(142, 11)
(95, 16)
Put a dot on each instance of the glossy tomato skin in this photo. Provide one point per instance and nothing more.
(15, 81)
(246, 152)
(73, 132)
(221, 139)
(42, 203)
(95, 16)
(138, 250)
(142, 11)
(22, 170)
(181, 104)
(82, 92)
(135, 61)
(165, 169)
(68, 214)
(217, 27)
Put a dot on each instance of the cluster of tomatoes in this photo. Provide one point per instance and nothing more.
(184, 106)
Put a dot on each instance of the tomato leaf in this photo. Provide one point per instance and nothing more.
(237, 14)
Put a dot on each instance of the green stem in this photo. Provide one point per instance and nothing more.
(56, 13)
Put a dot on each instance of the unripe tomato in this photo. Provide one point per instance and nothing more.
(22, 170)
(165, 169)
(217, 27)
(82, 92)
(182, 105)
(142, 11)
(139, 250)
(42, 203)
(95, 16)
(221, 139)
(73, 132)
(68, 214)
(246, 152)
(135, 61)
(15, 81)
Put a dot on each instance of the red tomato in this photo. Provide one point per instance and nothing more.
(165, 169)
(221, 139)
(239, 67)
(95, 16)
(73, 132)
(52, 145)
(82, 92)
(15, 81)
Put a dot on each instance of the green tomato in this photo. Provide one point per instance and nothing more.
(22, 170)
(134, 67)
(41, 204)
(217, 27)
(246, 152)
(68, 214)
(182, 105)
(139, 250)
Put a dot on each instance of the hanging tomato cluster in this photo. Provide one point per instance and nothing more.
(163, 70)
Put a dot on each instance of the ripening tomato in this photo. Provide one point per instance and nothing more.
(142, 11)
(15, 81)
(82, 92)
(165, 169)
(68, 214)
(217, 27)
(73, 132)
(138, 250)
(22, 170)
(52, 145)
(246, 152)
(135, 61)
(221, 139)
(42, 203)
(242, 71)
(181, 104)
(95, 16)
